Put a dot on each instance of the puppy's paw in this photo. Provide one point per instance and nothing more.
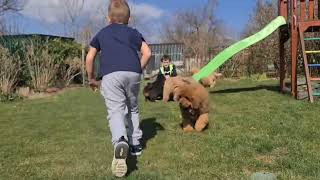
(202, 122)
(187, 128)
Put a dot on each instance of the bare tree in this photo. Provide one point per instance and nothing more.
(7, 6)
(10, 5)
(72, 12)
(266, 52)
(199, 30)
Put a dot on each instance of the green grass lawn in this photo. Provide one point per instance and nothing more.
(253, 128)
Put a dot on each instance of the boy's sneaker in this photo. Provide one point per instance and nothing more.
(119, 164)
(136, 150)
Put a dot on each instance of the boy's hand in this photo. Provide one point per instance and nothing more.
(94, 84)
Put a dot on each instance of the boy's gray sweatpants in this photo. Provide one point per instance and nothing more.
(120, 91)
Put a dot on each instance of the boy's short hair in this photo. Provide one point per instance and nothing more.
(119, 11)
(165, 57)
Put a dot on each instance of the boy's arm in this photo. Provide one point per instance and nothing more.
(145, 54)
(89, 66)
(89, 62)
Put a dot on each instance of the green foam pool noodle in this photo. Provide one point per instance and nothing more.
(226, 54)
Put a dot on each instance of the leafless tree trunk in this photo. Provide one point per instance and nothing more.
(85, 36)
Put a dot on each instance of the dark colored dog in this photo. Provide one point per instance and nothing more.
(154, 91)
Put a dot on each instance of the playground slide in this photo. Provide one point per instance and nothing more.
(226, 54)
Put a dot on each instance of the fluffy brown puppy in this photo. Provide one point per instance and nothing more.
(209, 81)
(193, 100)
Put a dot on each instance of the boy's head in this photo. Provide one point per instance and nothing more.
(165, 60)
(118, 12)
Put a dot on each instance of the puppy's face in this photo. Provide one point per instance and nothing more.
(189, 113)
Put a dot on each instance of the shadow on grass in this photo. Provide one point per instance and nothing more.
(247, 89)
(132, 162)
(149, 128)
